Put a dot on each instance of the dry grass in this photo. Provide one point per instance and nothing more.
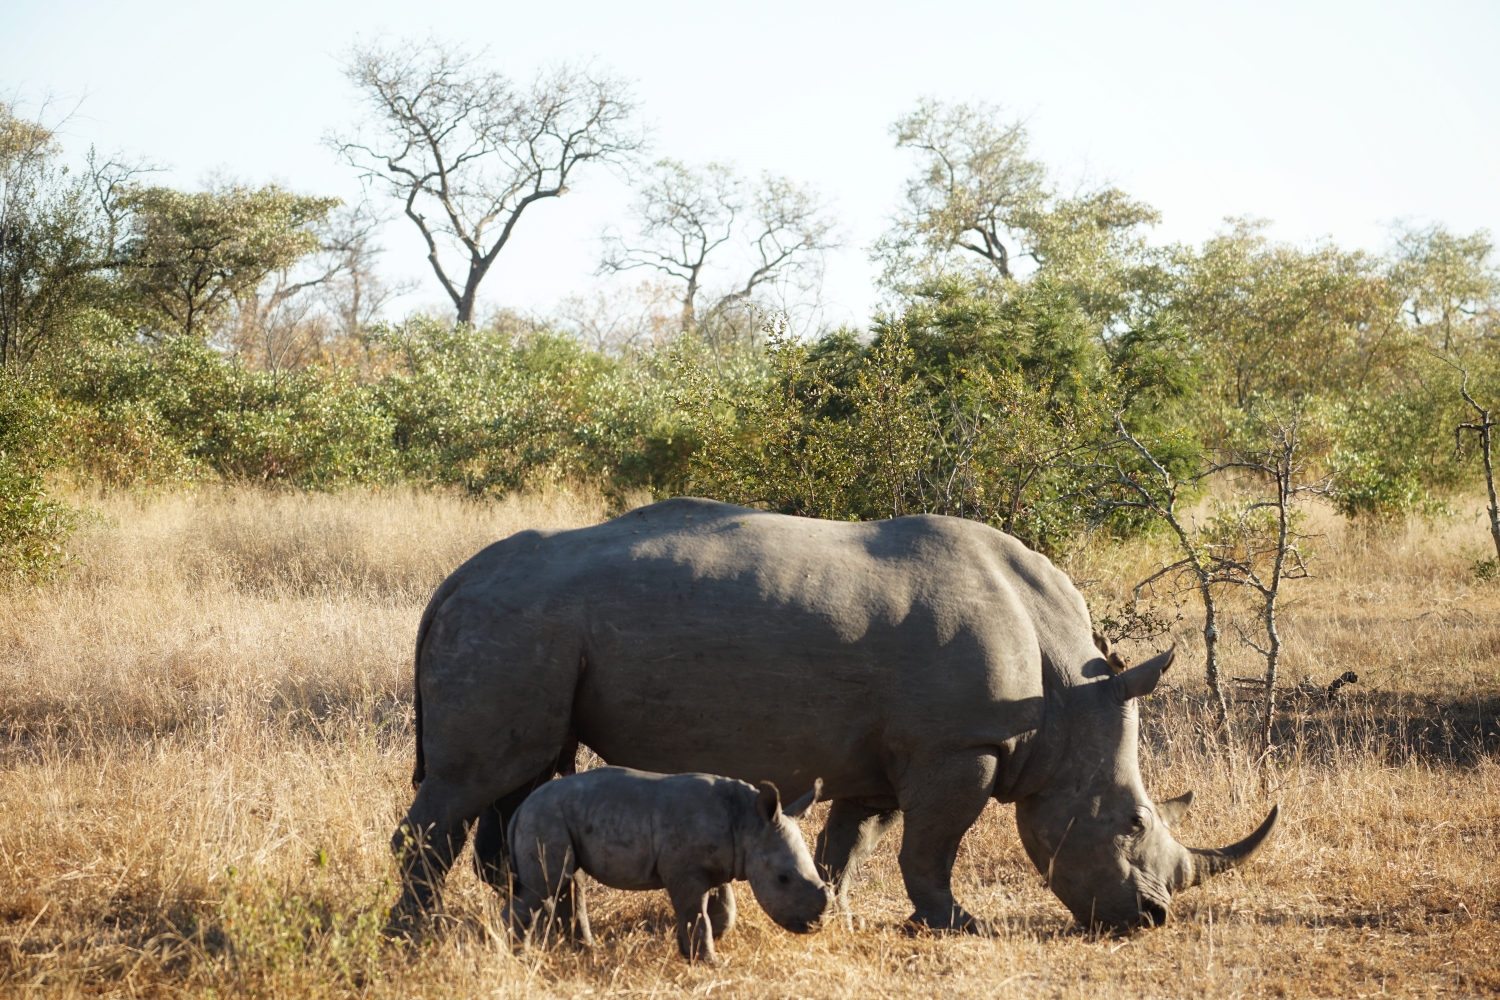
(207, 746)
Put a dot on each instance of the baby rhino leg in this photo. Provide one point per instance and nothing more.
(548, 881)
(695, 933)
(721, 910)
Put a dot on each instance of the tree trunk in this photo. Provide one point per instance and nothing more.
(1273, 635)
(1489, 478)
(1211, 654)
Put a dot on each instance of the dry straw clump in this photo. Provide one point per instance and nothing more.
(207, 744)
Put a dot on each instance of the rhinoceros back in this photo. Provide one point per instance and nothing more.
(697, 636)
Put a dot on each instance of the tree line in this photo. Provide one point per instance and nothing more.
(1038, 363)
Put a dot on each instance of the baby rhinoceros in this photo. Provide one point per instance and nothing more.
(691, 834)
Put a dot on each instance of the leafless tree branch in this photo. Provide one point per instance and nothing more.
(466, 152)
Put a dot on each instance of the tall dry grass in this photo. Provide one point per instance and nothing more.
(207, 744)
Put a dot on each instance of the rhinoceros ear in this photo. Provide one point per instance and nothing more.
(1172, 811)
(1139, 681)
(768, 802)
(1111, 658)
(805, 802)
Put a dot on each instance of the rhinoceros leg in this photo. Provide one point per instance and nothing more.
(695, 934)
(435, 829)
(940, 801)
(426, 843)
(721, 909)
(850, 836)
(491, 843)
(549, 897)
(491, 838)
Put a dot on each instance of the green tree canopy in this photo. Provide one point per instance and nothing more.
(1270, 319)
(57, 241)
(192, 252)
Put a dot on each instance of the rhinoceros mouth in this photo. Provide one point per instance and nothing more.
(801, 926)
(1153, 900)
(1153, 913)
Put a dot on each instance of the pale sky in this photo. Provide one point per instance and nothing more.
(1330, 119)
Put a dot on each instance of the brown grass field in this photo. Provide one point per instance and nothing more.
(207, 743)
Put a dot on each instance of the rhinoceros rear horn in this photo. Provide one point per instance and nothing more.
(805, 802)
(1208, 863)
(768, 802)
(1141, 680)
(1172, 811)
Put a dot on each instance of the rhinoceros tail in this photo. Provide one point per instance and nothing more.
(419, 769)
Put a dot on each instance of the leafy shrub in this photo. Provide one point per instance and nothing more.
(179, 410)
(313, 428)
(470, 407)
(850, 433)
(33, 526)
(1368, 488)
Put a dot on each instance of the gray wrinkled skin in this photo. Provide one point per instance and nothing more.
(921, 665)
(691, 834)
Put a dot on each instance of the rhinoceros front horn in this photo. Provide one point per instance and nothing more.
(1209, 862)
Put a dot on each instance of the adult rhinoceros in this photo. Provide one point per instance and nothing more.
(920, 666)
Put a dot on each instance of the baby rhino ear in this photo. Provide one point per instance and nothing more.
(768, 802)
(805, 803)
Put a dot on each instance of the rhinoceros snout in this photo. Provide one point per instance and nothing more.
(1153, 914)
(811, 917)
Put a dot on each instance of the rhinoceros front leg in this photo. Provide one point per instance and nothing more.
(721, 910)
(940, 801)
(850, 836)
(695, 933)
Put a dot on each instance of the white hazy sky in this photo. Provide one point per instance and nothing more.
(1331, 119)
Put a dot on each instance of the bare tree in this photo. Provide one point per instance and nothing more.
(292, 317)
(275, 328)
(1155, 491)
(1257, 544)
(623, 320)
(777, 232)
(466, 151)
(1252, 543)
(353, 290)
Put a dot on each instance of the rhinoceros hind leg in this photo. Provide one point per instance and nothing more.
(426, 843)
(549, 894)
(492, 835)
(940, 803)
(850, 836)
(721, 910)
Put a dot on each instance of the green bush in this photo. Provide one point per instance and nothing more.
(180, 411)
(850, 433)
(470, 407)
(33, 525)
